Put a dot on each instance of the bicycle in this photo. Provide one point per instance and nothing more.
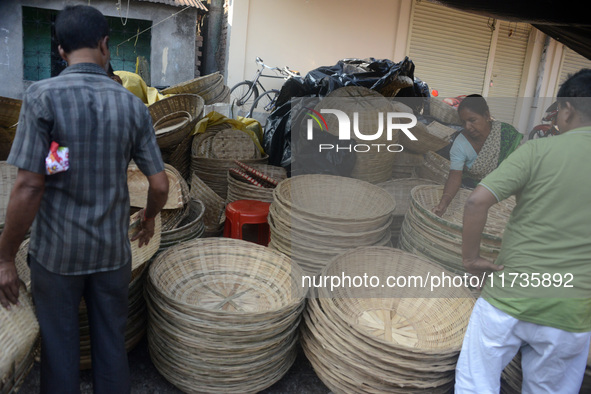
(246, 93)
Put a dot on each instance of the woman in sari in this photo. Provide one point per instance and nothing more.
(481, 146)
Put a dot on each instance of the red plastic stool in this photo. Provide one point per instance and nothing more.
(241, 212)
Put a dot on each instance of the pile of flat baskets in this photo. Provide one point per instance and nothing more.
(223, 315)
(373, 339)
(210, 87)
(440, 238)
(316, 217)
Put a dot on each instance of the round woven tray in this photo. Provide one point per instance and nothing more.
(19, 340)
(385, 339)
(191, 226)
(240, 189)
(231, 306)
(194, 86)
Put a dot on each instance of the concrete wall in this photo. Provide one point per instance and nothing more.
(306, 34)
(173, 40)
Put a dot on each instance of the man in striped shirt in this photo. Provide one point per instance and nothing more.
(79, 245)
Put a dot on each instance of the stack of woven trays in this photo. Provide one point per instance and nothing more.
(440, 238)
(185, 226)
(223, 315)
(374, 339)
(7, 179)
(400, 189)
(316, 217)
(174, 119)
(253, 182)
(213, 153)
(210, 87)
(19, 342)
(9, 113)
(435, 167)
(374, 165)
(136, 320)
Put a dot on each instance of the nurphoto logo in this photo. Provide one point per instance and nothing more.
(387, 122)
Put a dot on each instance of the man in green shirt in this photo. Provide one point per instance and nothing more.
(537, 294)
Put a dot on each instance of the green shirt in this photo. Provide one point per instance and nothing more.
(547, 242)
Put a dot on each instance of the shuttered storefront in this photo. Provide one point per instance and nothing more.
(571, 63)
(461, 53)
(449, 48)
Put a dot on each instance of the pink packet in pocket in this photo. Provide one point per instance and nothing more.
(57, 159)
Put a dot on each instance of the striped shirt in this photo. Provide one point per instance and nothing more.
(82, 223)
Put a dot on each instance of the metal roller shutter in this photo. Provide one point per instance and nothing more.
(450, 48)
(571, 63)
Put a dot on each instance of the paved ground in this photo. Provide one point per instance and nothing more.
(145, 378)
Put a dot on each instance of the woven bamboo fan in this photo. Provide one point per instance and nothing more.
(194, 86)
(7, 178)
(137, 182)
(19, 338)
(230, 306)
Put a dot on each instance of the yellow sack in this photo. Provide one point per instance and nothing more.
(136, 85)
(252, 127)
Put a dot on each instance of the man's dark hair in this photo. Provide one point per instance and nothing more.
(577, 91)
(475, 103)
(80, 26)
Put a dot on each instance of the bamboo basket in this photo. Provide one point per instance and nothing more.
(432, 137)
(190, 227)
(137, 183)
(189, 103)
(194, 86)
(230, 306)
(214, 216)
(7, 178)
(385, 339)
(19, 340)
(440, 238)
(443, 112)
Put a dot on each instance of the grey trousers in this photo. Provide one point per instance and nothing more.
(57, 299)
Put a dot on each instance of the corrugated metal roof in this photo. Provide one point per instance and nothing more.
(181, 3)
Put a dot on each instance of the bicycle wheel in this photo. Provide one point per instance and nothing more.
(265, 102)
(243, 94)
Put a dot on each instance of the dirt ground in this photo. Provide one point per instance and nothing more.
(145, 378)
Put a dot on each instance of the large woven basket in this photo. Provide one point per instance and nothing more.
(19, 336)
(7, 178)
(194, 86)
(440, 238)
(316, 217)
(191, 226)
(385, 339)
(180, 103)
(443, 112)
(230, 306)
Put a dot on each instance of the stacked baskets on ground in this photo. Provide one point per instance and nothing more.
(214, 216)
(385, 339)
(440, 238)
(435, 167)
(316, 217)
(7, 179)
(186, 226)
(223, 315)
(213, 153)
(373, 163)
(400, 189)
(210, 87)
(174, 119)
(250, 184)
(19, 339)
